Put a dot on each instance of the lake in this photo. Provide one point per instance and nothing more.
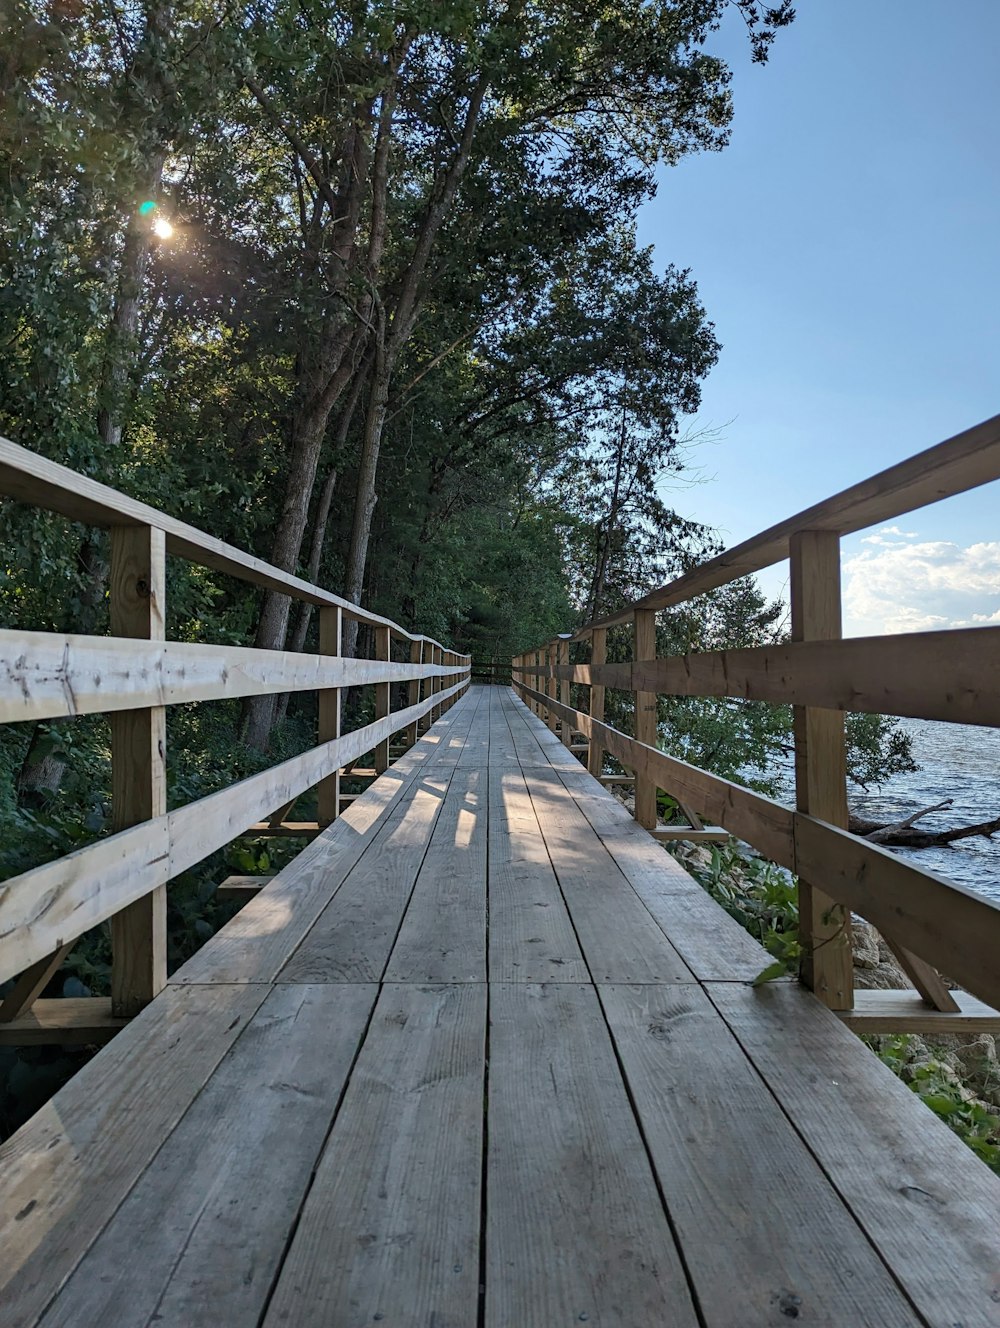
(958, 761)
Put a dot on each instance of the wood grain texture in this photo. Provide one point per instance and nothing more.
(78, 1021)
(820, 768)
(644, 724)
(138, 592)
(258, 942)
(390, 1229)
(328, 716)
(49, 676)
(598, 654)
(383, 651)
(619, 939)
(905, 1012)
(749, 816)
(352, 938)
(729, 1161)
(948, 926)
(47, 906)
(711, 943)
(575, 1230)
(531, 938)
(923, 1198)
(443, 935)
(206, 1227)
(64, 1174)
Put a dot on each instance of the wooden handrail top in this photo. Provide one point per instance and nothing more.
(959, 464)
(29, 478)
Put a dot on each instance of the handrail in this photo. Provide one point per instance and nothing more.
(951, 675)
(967, 461)
(133, 675)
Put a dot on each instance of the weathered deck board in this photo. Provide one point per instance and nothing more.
(443, 936)
(575, 1230)
(729, 1161)
(294, 1133)
(390, 1229)
(531, 935)
(205, 1229)
(927, 1204)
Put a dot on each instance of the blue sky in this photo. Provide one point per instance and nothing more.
(847, 248)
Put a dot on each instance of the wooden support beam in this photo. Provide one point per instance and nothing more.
(138, 767)
(644, 647)
(31, 983)
(331, 625)
(598, 655)
(241, 888)
(80, 1021)
(906, 1012)
(564, 685)
(413, 690)
(821, 767)
(926, 980)
(286, 830)
(551, 685)
(705, 834)
(383, 650)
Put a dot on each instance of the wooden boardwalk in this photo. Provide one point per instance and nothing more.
(484, 1055)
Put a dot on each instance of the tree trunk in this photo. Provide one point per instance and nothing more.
(366, 496)
(905, 834)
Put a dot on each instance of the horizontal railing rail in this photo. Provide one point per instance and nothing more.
(134, 675)
(931, 923)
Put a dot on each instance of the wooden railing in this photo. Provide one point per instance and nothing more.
(930, 922)
(134, 675)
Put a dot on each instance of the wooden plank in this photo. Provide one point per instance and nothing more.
(33, 479)
(598, 655)
(207, 1224)
(531, 938)
(820, 768)
(390, 1229)
(924, 978)
(31, 983)
(328, 716)
(138, 592)
(730, 1163)
(710, 834)
(413, 689)
(712, 944)
(562, 658)
(952, 675)
(255, 945)
(352, 938)
(443, 935)
(575, 1230)
(923, 1198)
(63, 1021)
(47, 906)
(950, 927)
(645, 723)
(51, 676)
(282, 830)
(66, 1172)
(241, 888)
(960, 463)
(906, 1012)
(749, 816)
(383, 650)
(620, 940)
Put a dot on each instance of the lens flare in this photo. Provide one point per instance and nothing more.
(146, 208)
(162, 228)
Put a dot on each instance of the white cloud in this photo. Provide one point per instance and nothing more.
(895, 530)
(893, 585)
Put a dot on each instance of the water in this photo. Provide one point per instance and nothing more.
(958, 761)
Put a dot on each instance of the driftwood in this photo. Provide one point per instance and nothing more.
(906, 834)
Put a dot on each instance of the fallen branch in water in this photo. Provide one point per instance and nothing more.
(906, 833)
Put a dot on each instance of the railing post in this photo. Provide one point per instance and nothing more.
(437, 657)
(564, 693)
(383, 650)
(551, 682)
(821, 767)
(328, 789)
(644, 647)
(598, 656)
(413, 690)
(138, 766)
(539, 683)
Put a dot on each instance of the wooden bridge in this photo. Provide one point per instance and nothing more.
(483, 1055)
